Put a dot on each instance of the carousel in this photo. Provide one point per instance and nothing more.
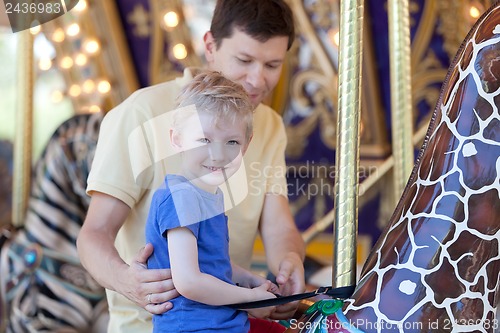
(392, 115)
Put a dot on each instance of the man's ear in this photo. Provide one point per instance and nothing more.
(210, 46)
(175, 140)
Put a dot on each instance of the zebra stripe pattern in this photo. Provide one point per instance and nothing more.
(43, 287)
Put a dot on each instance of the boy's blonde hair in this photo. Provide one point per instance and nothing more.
(218, 96)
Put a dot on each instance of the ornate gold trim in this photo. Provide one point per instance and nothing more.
(401, 93)
(117, 61)
(347, 153)
(160, 67)
(113, 61)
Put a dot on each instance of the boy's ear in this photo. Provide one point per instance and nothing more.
(175, 140)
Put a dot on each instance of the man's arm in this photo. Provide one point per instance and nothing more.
(98, 255)
(285, 250)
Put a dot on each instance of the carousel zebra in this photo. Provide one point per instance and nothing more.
(43, 287)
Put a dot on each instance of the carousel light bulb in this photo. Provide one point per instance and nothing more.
(179, 51)
(474, 12)
(334, 36)
(36, 29)
(88, 86)
(73, 29)
(81, 6)
(94, 108)
(75, 90)
(171, 19)
(81, 59)
(45, 64)
(104, 86)
(66, 62)
(58, 35)
(57, 96)
(91, 46)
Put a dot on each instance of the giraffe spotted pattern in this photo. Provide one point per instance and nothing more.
(436, 267)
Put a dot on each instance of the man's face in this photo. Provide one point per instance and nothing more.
(253, 64)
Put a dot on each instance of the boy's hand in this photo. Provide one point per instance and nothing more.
(251, 280)
(259, 281)
(273, 288)
(263, 292)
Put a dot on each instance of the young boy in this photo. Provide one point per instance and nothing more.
(187, 225)
(247, 42)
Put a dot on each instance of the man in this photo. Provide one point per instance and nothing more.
(247, 43)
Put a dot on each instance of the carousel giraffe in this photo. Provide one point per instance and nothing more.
(436, 266)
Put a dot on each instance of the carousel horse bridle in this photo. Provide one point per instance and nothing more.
(337, 293)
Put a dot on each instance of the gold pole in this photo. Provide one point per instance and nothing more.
(24, 129)
(347, 155)
(319, 226)
(401, 97)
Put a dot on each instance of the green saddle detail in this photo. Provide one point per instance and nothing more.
(325, 306)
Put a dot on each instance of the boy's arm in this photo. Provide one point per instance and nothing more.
(198, 286)
(247, 279)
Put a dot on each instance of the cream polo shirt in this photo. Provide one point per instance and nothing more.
(132, 157)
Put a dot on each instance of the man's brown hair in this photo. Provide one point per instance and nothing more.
(260, 19)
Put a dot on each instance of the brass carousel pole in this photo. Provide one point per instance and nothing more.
(24, 128)
(347, 154)
(401, 97)
(319, 226)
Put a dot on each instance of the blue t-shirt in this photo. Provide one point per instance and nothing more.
(178, 203)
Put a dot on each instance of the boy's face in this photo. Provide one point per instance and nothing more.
(253, 64)
(211, 152)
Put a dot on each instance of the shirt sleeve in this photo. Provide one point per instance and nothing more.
(112, 168)
(182, 208)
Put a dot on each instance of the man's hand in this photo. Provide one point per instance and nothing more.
(149, 289)
(290, 280)
(152, 289)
